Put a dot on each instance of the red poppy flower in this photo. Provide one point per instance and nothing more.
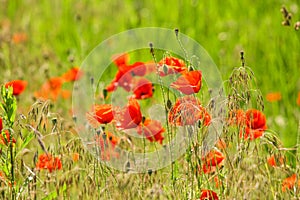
(273, 161)
(121, 59)
(213, 160)
(187, 111)
(107, 142)
(103, 113)
(152, 129)
(19, 38)
(47, 161)
(290, 182)
(171, 65)
(298, 99)
(273, 96)
(73, 74)
(188, 83)
(255, 124)
(51, 89)
(18, 86)
(130, 116)
(142, 89)
(237, 117)
(125, 73)
(208, 195)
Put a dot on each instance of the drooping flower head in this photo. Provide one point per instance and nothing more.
(17, 85)
(152, 129)
(188, 83)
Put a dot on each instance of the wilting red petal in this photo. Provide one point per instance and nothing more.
(130, 116)
(188, 83)
(187, 110)
(212, 161)
(18, 86)
(73, 74)
(142, 89)
(208, 195)
(273, 96)
(171, 65)
(152, 129)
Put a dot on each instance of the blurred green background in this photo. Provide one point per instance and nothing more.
(60, 34)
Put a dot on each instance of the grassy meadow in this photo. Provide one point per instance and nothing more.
(40, 40)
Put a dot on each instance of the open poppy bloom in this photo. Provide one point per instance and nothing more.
(17, 85)
(152, 129)
(47, 161)
(142, 89)
(171, 65)
(290, 182)
(107, 142)
(130, 116)
(213, 160)
(188, 83)
(125, 73)
(51, 89)
(208, 195)
(103, 113)
(187, 110)
(73, 74)
(255, 124)
(273, 96)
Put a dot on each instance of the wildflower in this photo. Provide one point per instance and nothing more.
(273, 96)
(188, 83)
(125, 73)
(75, 157)
(143, 89)
(273, 162)
(18, 86)
(47, 161)
(19, 38)
(255, 124)
(298, 99)
(103, 113)
(152, 129)
(51, 89)
(130, 116)
(208, 195)
(187, 111)
(121, 59)
(171, 65)
(73, 74)
(237, 117)
(221, 144)
(290, 182)
(213, 160)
